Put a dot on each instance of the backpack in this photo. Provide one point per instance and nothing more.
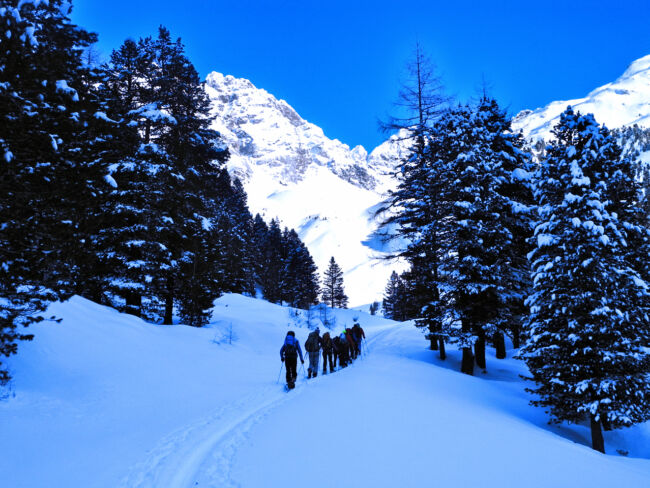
(327, 342)
(311, 345)
(290, 347)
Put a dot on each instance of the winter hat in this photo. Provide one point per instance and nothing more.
(316, 329)
(291, 333)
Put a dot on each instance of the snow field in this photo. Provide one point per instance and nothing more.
(333, 218)
(105, 400)
(622, 102)
(319, 186)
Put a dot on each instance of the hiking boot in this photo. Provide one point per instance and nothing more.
(308, 374)
(315, 374)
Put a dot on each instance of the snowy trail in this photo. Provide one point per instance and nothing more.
(207, 448)
(106, 400)
(395, 419)
(176, 460)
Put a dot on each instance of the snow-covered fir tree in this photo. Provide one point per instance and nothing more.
(483, 274)
(516, 165)
(165, 215)
(589, 305)
(48, 176)
(464, 208)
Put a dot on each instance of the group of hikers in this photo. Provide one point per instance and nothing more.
(343, 348)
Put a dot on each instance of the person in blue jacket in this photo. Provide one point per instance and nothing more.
(289, 354)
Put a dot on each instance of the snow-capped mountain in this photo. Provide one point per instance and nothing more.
(321, 187)
(329, 192)
(623, 102)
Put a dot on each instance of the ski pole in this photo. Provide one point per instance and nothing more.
(280, 373)
(302, 368)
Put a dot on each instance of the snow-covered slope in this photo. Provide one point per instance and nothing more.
(104, 400)
(319, 186)
(625, 101)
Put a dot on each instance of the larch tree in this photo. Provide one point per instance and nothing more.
(421, 101)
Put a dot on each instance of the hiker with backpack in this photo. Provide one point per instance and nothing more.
(359, 335)
(350, 343)
(336, 345)
(312, 346)
(343, 350)
(289, 355)
(327, 352)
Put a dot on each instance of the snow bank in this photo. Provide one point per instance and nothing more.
(104, 400)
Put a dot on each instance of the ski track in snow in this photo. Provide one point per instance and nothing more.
(202, 453)
(177, 460)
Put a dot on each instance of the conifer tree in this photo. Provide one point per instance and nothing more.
(43, 120)
(462, 208)
(514, 160)
(164, 212)
(259, 237)
(589, 305)
(421, 102)
(333, 291)
(299, 274)
(392, 297)
(271, 279)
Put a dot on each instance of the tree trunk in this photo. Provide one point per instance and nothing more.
(467, 365)
(433, 339)
(516, 340)
(597, 441)
(133, 303)
(441, 345)
(479, 349)
(607, 426)
(169, 302)
(500, 344)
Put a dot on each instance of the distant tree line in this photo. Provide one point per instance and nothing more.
(113, 186)
(551, 251)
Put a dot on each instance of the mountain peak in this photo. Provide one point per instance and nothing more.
(216, 79)
(636, 67)
(316, 185)
(623, 102)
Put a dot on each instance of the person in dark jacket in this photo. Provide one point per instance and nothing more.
(344, 350)
(289, 355)
(358, 335)
(312, 346)
(327, 352)
(350, 342)
(336, 345)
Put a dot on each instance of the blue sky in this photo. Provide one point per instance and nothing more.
(338, 63)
